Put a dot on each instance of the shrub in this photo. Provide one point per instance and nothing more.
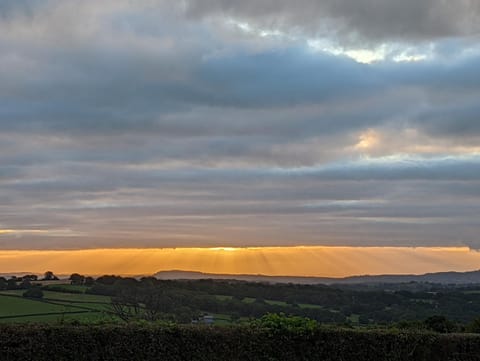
(440, 324)
(34, 292)
(168, 343)
(474, 326)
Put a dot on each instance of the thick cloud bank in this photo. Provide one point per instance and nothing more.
(206, 123)
(371, 19)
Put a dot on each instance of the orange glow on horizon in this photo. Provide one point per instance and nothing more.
(278, 261)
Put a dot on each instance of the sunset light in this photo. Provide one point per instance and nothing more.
(273, 261)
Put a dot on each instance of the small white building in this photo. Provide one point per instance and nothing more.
(205, 319)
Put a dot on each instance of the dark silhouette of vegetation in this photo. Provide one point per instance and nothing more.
(77, 279)
(49, 276)
(416, 307)
(152, 299)
(272, 338)
(34, 292)
(439, 323)
(474, 326)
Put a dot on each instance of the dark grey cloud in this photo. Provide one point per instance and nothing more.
(422, 20)
(394, 202)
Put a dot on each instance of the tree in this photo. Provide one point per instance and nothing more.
(3, 283)
(30, 277)
(77, 279)
(440, 324)
(49, 276)
(34, 292)
(89, 281)
(12, 283)
(107, 279)
(474, 326)
(126, 307)
(26, 283)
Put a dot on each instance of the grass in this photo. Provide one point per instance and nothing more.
(221, 319)
(54, 307)
(62, 296)
(353, 318)
(15, 306)
(309, 305)
(281, 303)
(276, 303)
(69, 287)
(85, 317)
(83, 307)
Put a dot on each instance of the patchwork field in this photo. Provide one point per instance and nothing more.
(54, 306)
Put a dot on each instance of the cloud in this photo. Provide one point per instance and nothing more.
(165, 125)
(410, 21)
(374, 200)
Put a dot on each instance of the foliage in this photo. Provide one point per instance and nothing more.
(282, 323)
(326, 304)
(63, 288)
(414, 308)
(49, 276)
(77, 279)
(474, 326)
(440, 324)
(169, 342)
(34, 292)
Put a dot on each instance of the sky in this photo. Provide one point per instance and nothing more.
(215, 123)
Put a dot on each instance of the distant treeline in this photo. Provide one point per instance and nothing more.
(336, 305)
(146, 342)
(403, 305)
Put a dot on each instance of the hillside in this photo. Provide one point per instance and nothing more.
(472, 277)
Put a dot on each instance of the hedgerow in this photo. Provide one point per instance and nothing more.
(253, 342)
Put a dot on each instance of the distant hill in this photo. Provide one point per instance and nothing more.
(40, 275)
(440, 277)
(459, 278)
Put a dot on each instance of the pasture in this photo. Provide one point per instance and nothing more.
(54, 307)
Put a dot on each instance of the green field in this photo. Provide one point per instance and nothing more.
(354, 318)
(69, 287)
(53, 307)
(308, 305)
(221, 319)
(57, 307)
(270, 302)
(12, 306)
(62, 296)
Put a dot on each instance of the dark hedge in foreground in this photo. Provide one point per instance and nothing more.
(144, 342)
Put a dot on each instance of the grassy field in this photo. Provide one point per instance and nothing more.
(13, 306)
(68, 287)
(53, 307)
(59, 305)
(270, 302)
(63, 296)
(308, 305)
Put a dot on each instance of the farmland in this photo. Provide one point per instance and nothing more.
(54, 306)
(113, 299)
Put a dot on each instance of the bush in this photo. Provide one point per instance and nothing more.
(474, 326)
(58, 288)
(34, 292)
(440, 324)
(282, 323)
(168, 343)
